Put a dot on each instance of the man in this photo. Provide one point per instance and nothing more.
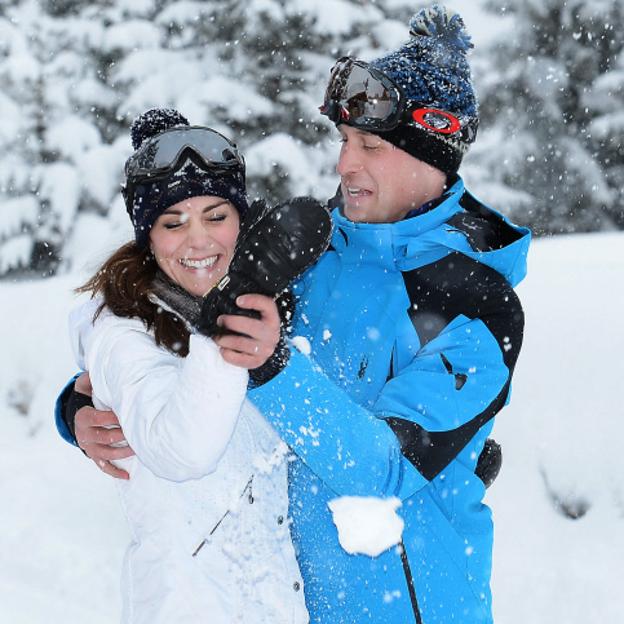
(413, 332)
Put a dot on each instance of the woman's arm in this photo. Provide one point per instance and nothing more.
(177, 414)
(98, 432)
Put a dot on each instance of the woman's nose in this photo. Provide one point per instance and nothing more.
(198, 236)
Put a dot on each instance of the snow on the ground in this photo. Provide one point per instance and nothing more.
(562, 434)
(61, 531)
(62, 535)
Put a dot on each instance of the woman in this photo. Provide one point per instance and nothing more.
(207, 497)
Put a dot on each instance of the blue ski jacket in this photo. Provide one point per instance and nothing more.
(414, 330)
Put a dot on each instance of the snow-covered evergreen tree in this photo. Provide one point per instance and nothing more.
(554, 149)
(605, 99)
(75, 73)
(256, 69)
(21, 136)
(51, 146)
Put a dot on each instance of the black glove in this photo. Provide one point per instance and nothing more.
(275, 247)
(489, 462)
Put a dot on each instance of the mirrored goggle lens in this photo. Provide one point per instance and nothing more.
(163, 151)
(355, 95)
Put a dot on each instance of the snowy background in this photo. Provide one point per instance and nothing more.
(550, 75)
(62, 535)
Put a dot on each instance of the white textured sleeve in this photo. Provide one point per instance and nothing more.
(177, 414)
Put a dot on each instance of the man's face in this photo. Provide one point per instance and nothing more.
(381, 183)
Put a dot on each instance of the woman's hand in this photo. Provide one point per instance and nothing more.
(260, 338)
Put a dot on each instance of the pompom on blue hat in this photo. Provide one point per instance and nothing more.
(152, 198)
(432, 69)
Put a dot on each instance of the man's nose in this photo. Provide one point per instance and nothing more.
(349, 160)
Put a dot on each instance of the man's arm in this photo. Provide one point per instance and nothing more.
(63, 416)
(96, 432)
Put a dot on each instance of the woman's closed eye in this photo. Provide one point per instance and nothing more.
(216, 217)
(210, 218)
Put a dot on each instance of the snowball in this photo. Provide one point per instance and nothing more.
(367, 525)
(302, 344)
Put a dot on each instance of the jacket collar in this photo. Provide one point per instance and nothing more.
(386, 244)
(429, 236)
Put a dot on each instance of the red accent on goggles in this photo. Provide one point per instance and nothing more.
(436, 120)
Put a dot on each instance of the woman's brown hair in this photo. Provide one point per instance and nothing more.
(125, 281)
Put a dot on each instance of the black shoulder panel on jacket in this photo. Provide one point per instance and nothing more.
(458, 285)
(440, 292)
(484, 230)
(432, 451)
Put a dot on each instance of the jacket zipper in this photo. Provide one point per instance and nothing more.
(410, 583)
(222, 518)
(407, 571)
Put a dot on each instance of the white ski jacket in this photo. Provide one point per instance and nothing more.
(207, 497)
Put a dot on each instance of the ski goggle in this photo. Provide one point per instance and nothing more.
(163, 154)
(364, 97)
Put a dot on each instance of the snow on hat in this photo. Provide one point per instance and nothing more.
(152, 198)
(432, 69)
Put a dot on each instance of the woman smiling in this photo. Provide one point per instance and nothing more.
(207, 493)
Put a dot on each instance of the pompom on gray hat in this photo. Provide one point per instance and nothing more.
(432, 70)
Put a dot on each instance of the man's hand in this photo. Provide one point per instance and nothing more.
(99, 435)
(83, 384)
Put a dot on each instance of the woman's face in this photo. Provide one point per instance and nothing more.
(193, 241)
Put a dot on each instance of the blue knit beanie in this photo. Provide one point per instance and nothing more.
(153, 197)
(432, 69)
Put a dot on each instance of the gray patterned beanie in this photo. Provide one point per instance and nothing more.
(432, 70)
(152, 198)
